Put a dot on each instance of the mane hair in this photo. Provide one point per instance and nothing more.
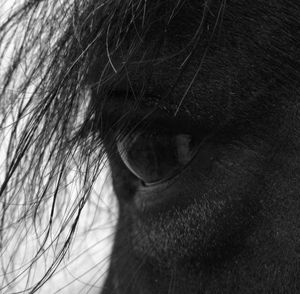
(52, 55)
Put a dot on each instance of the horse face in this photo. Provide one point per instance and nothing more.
(202, 138)
(196, 106)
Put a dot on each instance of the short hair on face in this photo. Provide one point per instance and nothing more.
(228, 71)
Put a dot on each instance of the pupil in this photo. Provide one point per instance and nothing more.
(155, 157)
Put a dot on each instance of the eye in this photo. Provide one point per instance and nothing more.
(156, 156)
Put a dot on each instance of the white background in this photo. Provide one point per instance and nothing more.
(85, 265)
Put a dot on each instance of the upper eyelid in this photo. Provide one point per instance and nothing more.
(122, 107)
(151, 119)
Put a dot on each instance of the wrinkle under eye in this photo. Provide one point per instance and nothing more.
(156, 156)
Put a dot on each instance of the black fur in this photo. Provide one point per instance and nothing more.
(229, 70)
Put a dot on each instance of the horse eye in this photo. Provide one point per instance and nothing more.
(156, 157)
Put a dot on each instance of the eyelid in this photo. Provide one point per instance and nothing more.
(121, 113)
(128, 116)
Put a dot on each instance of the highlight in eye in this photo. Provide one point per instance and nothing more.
(156, 156)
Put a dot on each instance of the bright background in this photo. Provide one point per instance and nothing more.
(85, 265)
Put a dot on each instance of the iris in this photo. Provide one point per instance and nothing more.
(158, 155)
